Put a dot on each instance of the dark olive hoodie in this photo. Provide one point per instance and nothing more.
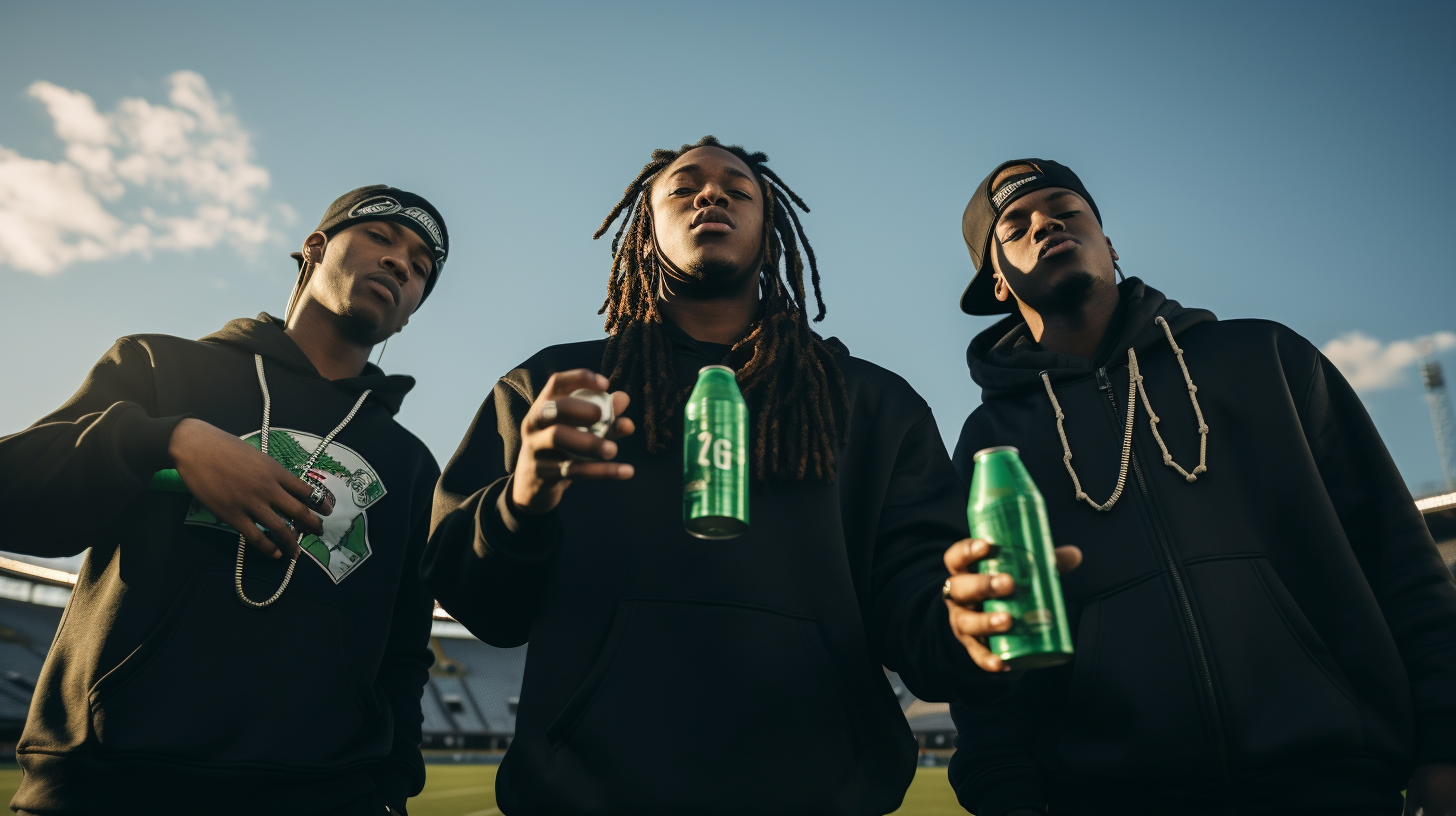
(163, 693)
(670, 675)
(1278, 636)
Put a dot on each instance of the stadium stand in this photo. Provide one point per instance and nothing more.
(470, 701)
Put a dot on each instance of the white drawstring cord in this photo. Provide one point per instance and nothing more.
(312, 459)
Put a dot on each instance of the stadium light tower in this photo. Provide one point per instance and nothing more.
(1442, 418)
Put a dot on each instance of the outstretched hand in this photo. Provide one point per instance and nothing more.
(243, 487)
(1432, 791)
(967, 589)
(554, 452)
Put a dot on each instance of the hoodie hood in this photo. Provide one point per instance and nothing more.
(264, 335)
(1004, 359)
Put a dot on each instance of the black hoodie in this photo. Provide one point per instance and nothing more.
(671, 675)
(1277, 637)
(162, 692)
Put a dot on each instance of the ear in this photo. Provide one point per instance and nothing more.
(313, 247)
(1003, 289)
(1110, 250)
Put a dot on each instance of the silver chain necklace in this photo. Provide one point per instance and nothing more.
(1134, 389)
(313, 458)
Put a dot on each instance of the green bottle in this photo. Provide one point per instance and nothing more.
(167, 481)
(715, 456)
(1007, 510)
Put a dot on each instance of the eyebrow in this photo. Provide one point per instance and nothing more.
(1020, 213)
(732, 171)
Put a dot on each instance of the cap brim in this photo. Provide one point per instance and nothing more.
(980, 297)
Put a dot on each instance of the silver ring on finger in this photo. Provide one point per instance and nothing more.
(945, 590)
(548, 411)
(565, 468)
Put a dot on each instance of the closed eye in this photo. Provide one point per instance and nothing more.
(1070, 214)
(1012, 236)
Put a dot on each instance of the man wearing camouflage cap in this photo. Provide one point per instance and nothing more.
(1262, 622)
(248, 632)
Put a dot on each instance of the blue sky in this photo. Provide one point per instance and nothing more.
(1283, 161)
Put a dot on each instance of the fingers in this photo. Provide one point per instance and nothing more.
(562, 383)
(282, 533)
(303, 518)
(970, 626)
(961, 557)
(1068, 559)
(623, 426)
(256, 538)
(548, 470)
(572, 442)
(971, 589)
(563, 410)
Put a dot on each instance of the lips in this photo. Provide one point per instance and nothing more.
(389, 286)
(711, 219)
(1058, 246)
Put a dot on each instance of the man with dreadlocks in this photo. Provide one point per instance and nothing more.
(1263, 625)
(670, 675)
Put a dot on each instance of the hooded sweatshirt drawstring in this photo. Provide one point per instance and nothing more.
(1134, 389)
(312, 458)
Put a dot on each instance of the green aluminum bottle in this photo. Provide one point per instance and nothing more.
(715, 456)
(1007, 510)
(167, 481)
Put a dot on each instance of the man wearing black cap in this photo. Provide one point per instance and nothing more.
(194, 673)
(1263, 624)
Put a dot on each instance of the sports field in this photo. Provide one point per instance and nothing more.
(469, 790)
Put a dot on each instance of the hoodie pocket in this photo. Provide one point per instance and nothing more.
(741, 693)
(1133, 710)
(1284, 697)
(221, 684)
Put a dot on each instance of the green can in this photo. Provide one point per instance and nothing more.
(715, 456)
(1007, 510)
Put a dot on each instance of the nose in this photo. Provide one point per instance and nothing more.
(397, 265)
(712, 195)
(1043, 225)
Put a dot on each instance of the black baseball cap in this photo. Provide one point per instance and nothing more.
(380, 202)
(978, 223)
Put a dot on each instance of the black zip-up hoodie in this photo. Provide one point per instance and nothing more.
(670, 675)
(163, 693)
(1277, 637)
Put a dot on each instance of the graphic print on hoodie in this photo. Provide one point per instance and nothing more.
(1278, 636)
(344, 543)
(162, 692)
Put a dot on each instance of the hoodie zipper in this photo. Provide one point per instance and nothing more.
(1104, 384)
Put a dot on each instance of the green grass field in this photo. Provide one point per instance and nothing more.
(469, 790)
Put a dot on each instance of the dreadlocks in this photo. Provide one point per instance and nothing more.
(785, 370)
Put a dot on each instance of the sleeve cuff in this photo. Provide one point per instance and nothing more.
(521, 537)
(393, 785)
(142, 440)
(1436, 739)
(1007, 791)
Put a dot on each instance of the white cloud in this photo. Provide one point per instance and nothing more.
(143, 178)
(1371, 365)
